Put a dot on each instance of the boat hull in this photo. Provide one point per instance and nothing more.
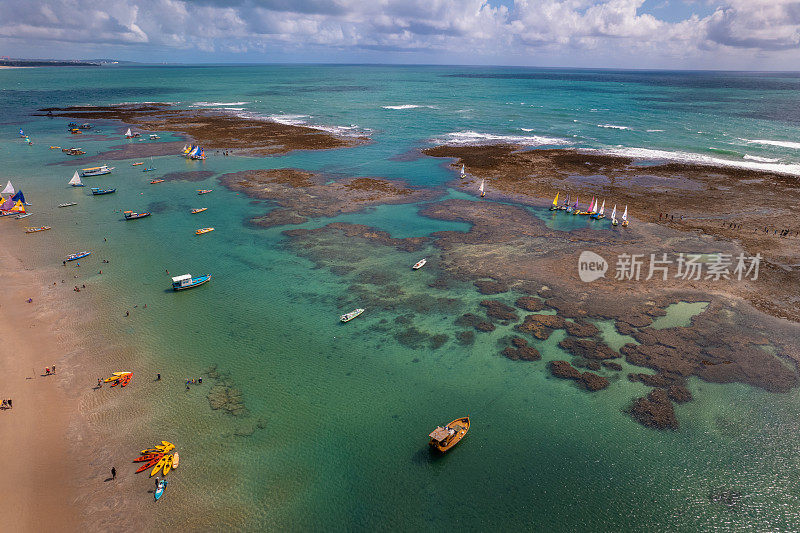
(195, 283)
(461, 425)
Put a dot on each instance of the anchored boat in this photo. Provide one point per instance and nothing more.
(186, 281)
(76, 180)
(37, 230)
(67, 204)
(131, 215)
(347, 317)
(204, 191)
(444, 438)
(419, 264)
(77, 255)
(198, 210)
(203, 230)
(96, 171)
(153, 182)
(98, 192)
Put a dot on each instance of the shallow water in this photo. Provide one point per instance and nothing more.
(337, 416)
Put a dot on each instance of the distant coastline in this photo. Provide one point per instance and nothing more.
(19, 63)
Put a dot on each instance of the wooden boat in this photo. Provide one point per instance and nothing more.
(96, 171)
(419, 264)
(55, 148)
(204, 191)
(77, 255)
(203, 230)
(153, 182)
(99, 192)
(555, 203)
(23, 215)
(186, 281)
(347, 317)
(67, 204)
(444, 438)
(198, 210)
(37, 230)
(132, 215)
(137, 164)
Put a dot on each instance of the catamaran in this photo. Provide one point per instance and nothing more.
(625, 217)
(347, 317)
(76, 180)
(565, 205)
(555, 203)
(96, 171)
(100, 192)
(23, 215)
(186, 281)
(419, 264)
(197, 153)
(614, 216)
(77, 255)
(483, 188)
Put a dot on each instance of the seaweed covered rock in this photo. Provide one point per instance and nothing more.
(564, 370)
(499, 310)
(523, 353)
(593, 382)
(541, 326)
(227, 398)
(485, 326)
(490, 286)
(465, 338)
(655, 410)
(529, 303)
(588, 348)
(581, 328)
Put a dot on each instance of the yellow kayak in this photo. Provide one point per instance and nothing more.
(167, 464)
(120, 373)
(166, 448)
(165, 443)
(112, 378)
(159, 465)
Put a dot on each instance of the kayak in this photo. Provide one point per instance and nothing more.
(160, 490)
(175, 460)
(167, 464)
(165, 443)
(125, 379)
(146, 457)
(149, 464)
(159, 465)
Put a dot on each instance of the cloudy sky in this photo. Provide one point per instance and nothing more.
(720, 34)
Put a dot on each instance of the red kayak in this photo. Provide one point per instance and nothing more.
(150, 464)
(147, 457)
(126, 379)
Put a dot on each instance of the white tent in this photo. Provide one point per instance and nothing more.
(9, 189)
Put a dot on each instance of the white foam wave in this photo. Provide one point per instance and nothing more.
(469, 137)
(792, 169)
(613, 126)
(761, 159)
(218, 104)
(353, 130)
(527, 129)
(407, 106)
(653, 131)
(782, 144)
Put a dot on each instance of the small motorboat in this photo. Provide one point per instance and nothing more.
(204, 191)
(132, 215)
(86, 126)
(77, 255)
(67, 204)
(137, 164)
(37, 230)
(203, 230)
(23, 215)
(153, 137)
(419, 264)
(347, 317)
(186, 281)
(153, 182)
(98, 192)
(55, 148)
(96, 171)
(444, 438)
(198, 210)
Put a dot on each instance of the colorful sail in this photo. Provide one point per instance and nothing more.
(9, 188)
(19, 197)
(566, 202)
(555, 201)
(19, 207)
(463, 173)
(576, 202)
(591, 205)
(483, 188)
(602, 208)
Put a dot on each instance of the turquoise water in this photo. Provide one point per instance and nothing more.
(334, 432)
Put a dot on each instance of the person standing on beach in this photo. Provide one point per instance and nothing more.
(99, 383)
(113, 473)
(54, 369)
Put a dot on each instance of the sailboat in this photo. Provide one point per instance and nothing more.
(555, 203)
(600, 214)
(574, 208)
(591, 209)
(149, 168)
(128, 134)
(483, 188)
(463, 173)
(9, 188)
(76, 180)
(614, 216)
(564, 206)
(625, 217)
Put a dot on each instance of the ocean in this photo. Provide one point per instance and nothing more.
(326, 424)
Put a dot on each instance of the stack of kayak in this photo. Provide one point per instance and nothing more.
(158, 458)
(119, 378)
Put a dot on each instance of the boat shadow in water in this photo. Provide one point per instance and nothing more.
(428, 456)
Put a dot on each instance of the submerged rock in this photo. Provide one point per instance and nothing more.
(541, 326)
(588, 380)
(499, 310)
(490, 286)
(523, 353)
(612, 365)
(465, 338)
(588, 348)
(655, 410)
(485, 327)
(529, 303)
(581, 328)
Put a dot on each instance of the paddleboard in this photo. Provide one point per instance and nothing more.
(175, 460)
(160, 490)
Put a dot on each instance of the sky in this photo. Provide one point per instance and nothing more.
(650, 34)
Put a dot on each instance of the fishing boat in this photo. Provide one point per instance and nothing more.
(132, 215)
(483, 188)
(96, 171)
(37, 230)
(463, 173)
(419, 264)
(23, 215)
(347, 317)
(204, 191)
(203, 230)
(600, 214)
(76, 180)
(67, 204)
(186, 281)
(198, 210)
(149, 168)
(614, 216)
(444, 438)
(554, 207)
(128, 134)
(625, 217)
(77, 255)
(99, 192)
(153, 182)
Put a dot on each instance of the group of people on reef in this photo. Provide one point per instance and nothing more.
(6, 404)
(48, 370)
(667, 216)
(786, 232)
(198, 381)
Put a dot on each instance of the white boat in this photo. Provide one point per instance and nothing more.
(625, 217)
(67, 204)
(96, 171)
(128, 134)
(483, 188)
(153, 137)
(614, 216)
(9, 188)
(76, 180)
(419, 264)
(347, 317)
(463, 173)
(23, 215)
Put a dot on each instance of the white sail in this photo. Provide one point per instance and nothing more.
(483, 183)
(614, 212)
(625, 214)
(128, 133)
(462, 171)
(9, 189)
(602, 207)
(76, 179)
